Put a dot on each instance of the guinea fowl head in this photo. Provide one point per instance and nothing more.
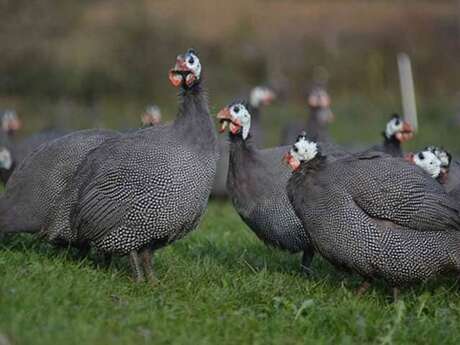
(151, 116)
(320, 102)
(442, 154)
(10, 122)
(237, 117)
(399, 129)
(261, 96)
(426, 160)
(187, 70)
(5, 158)
(445, 158)
(303, 150)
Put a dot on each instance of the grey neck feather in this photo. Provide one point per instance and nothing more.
(255, 113)
(193, 120)
(240, 149)
(391, 145)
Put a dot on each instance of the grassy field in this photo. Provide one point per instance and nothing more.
(220, 285)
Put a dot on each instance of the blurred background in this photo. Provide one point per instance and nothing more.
(78, 64)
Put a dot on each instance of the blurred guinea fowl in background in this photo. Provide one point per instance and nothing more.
(144, 190)
(151, 116)
(397, 131)
(375, 215)
(6, 164)
(316, 127)
(20, 147)
(11, 123)
(259, 97)
(438, 163)
(257, 186)
(450, 168)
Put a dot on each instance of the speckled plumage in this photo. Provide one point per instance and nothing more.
(145, 189)
(257, 187)
(453, 180)
(34, 186)
(21, 148)
(29, 144)
(378, 216)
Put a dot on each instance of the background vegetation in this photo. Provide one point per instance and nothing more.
(219, 286)
(89, 63)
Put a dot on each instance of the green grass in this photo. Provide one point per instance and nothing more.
(220, 285)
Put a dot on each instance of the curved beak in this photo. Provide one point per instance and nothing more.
(180, 65)
(175, 74)
(224, 116)
(289, 159)
(286, 158)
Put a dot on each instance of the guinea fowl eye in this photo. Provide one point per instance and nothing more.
(236, 109)
(421, 156)
(191, 60)
(295, 149)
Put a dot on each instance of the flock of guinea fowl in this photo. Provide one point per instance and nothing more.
(376, 212)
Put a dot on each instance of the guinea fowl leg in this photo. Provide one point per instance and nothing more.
(395, 294)
(363, 288)
(136, 267)
(83, 251)
(146, 257)
(306, 262)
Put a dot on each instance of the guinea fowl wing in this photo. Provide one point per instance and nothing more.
(108, 181)
(102, 204)
(122, 188)
(390, 189)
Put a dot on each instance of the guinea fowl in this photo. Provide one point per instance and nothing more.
(6, 164)
(20, 148)
(33, 188)
(450, 168)
(257, 186)
(317, 124)
(260, 96)
(396, 132)
(144, 190)
(437, 162)
(11, 123)
(375, 215)
(151, 116)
